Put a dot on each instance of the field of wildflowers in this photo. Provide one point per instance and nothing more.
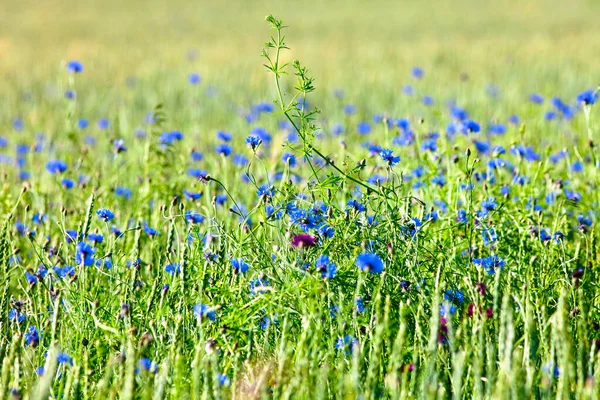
(407, 212)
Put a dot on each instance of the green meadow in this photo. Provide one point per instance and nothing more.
(370, 199)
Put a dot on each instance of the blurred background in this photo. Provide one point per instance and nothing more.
(376, 41)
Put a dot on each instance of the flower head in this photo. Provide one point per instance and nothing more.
(239, 266)
(389, 157)
(304, 240)
(253, 141)
(56, 166)
(202, 311)
(370, 262)
(74, 66)
(588, 97)
(105, 214)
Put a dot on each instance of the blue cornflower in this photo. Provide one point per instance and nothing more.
(223, 149)
(202, 311)
(459, 113)
(116, 231)
(470, 126)
(123, 192)
(198, 173)
(411, 228)
(71, 235)
(145, 364)
(119, 146)
(32, 337)
(67, 183)
(454, 296)
(327, 269)
(356, 205)
(192, 195)
(536, 98)
(556, 157)
(481, 147)
(272, 213)
(488, 205)
(63, 272)
(388, 156)
(262, 133)
(106, 262)
(584, 220)
(173, 269)
(32, 279)
(403, 124)
(544, 235)
(525, 152)
(347, 343)
(375, 149)
(150, 231)
(84, 254)
(265, 192)
(224, 136)
(194, 217)
(445, 310)
(223, 380)
(370, 262)
(64, 358)
(462, 216)
(240, 160)
(565, 110)
(520, 179)
(572, 195)
(253, 141)
(577, 166)
(497, 129)
(326, 231)
(239, 266)
(96, 237)
(489, 236)
(438, 180)
(451, 130)
(550, 115)
(196, 155)
(558, 237)
(258, 286)
(82, 123)
(429, 145)
(17, 124)
(432, 216)
(428, 100)
(74, 66)
(103, 123)
(16, 315)
(166, 138)
(417, 72)
(337, 129)
(349, 109)
(289, 159)
(490, 263)
(56, 166)
(194, 78)
(363, 128)
(588, 97)
(105, 214)
(70, 94)
(360, 305)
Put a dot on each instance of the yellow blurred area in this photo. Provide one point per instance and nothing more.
(371, 38)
